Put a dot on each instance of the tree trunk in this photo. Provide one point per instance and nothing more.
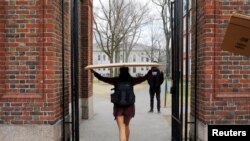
(117, 60)
(111, 69)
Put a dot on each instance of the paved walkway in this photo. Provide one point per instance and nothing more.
(144, 126)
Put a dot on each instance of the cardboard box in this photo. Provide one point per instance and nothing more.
(237, 37)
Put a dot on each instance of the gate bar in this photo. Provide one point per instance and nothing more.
(187, 69)
(176, 119)
(180, 60)
(196, 67)
(63, 73)
(74, 71)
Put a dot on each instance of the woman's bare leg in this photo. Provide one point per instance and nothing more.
(122, 128)
(127, 132)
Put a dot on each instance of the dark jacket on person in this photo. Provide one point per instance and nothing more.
(155, 78)
(128, 111)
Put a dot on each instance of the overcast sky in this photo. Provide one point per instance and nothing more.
(154, 10)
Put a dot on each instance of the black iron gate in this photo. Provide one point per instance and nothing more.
(70, 126)
(74, 71)
(181, 64)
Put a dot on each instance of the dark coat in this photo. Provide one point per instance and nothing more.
(156, 78)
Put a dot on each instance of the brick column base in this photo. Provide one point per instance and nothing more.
(31, 132)
(86, 110)
(202, 130)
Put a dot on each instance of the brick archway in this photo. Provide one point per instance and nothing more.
(31, 68)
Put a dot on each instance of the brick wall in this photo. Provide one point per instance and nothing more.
(232, 71)
(86, 48)
(31, 66)
(31, 72)
(223, 77)
(85, 58)
(2, 50)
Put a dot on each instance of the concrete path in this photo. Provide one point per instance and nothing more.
(144, 126)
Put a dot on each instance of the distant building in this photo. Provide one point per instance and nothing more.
(138, 54)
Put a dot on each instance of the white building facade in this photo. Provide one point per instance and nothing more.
(138, 54)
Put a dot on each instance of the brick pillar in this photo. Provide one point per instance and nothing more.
(31, 72)
(223, 77)
(86, 50)
(2, 52)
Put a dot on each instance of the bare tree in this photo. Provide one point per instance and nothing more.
(129, 43)
(165, 17)
(155, 50)
(116, 23)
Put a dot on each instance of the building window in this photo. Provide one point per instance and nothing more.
(99, 57)
(121, 58)
(104, 57)
(134, 58)
(142, 69)
(134, 70)
(147, 59)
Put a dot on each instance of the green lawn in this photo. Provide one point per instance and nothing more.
(169, 96)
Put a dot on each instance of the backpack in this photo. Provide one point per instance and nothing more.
(124, 94)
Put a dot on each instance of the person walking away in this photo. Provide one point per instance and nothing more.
(123, 112)
(155, 80)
